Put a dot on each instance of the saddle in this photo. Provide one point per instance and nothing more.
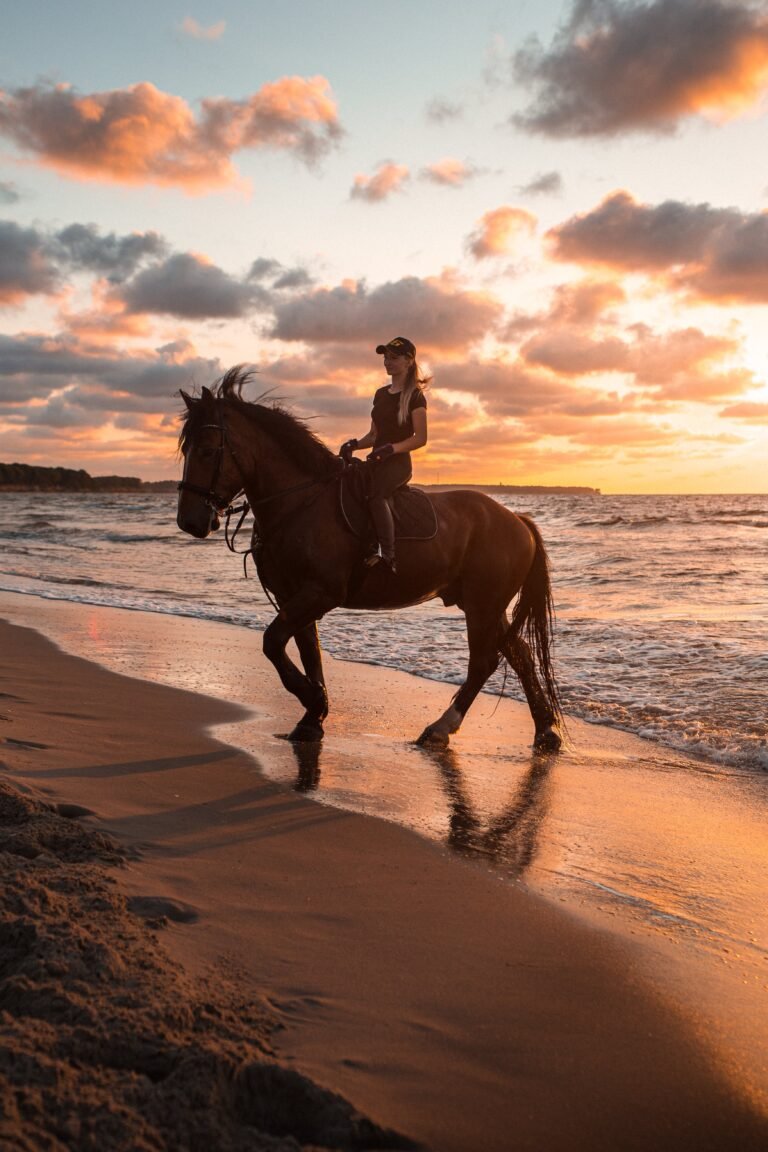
(414, 514)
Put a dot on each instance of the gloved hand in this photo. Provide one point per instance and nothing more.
(381, 453)
(347, 449)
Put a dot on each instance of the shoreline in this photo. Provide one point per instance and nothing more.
(375, 884)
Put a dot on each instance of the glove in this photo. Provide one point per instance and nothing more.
(381, 453)
(347, 449)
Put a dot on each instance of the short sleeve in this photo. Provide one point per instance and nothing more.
(418, 400)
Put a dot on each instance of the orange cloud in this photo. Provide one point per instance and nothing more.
(449, 172)
(619, 67)
(751, 411)
(715, 253)
(388, 178)
(498, 231)
(142, 135)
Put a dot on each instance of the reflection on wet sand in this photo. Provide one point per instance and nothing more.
(307, 753)
(509, 838)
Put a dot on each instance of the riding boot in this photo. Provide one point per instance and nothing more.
(384, 525)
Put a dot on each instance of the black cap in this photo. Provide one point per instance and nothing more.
(400, 345)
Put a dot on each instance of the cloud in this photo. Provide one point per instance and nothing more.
(498, 231)
(188, 286)
(572, 352)
(579, 304)
(38, 367)
(442, 313)
(9, 193)
(142, 135)
(26, 263)
(442, 111)
(547, 184)
(190, 27)
(448, 172)
(623, 67)
(84, 247)
(282, 278)
(387, 179)
(717, 253)
(752, 411)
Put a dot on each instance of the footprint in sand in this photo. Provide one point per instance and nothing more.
(159, 908)
(73, 811)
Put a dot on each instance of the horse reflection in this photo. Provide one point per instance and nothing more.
(308, 764)
(509, 838)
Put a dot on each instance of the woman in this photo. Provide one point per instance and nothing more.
(398, 427)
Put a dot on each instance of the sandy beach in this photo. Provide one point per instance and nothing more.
(201, 949)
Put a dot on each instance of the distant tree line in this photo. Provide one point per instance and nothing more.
(31, 477)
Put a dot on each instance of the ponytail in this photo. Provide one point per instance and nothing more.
(415, 379)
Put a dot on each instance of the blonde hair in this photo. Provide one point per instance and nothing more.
(415, 379)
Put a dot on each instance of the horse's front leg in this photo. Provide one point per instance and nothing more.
(310, 727)
(294, 617)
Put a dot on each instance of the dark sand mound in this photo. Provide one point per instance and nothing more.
(105, 1044)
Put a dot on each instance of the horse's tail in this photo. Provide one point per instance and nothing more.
(533, 618)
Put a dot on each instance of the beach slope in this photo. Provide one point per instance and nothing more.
(208, 906)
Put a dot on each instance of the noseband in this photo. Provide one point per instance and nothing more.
(209, 495)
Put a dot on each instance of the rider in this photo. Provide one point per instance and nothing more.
(398, 427)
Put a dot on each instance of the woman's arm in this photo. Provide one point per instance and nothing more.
(350, 446)
(419, 437)
(369, 439)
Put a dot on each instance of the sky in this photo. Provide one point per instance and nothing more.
(564, 205)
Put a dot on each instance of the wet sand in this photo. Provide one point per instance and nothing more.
(444, 998)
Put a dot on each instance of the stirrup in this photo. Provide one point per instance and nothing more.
(378, 557)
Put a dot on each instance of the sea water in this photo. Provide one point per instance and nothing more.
(661, 601)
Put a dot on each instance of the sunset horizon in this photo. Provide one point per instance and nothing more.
(582, 263)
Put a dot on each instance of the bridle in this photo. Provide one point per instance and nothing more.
(209, 495)
(215, 502)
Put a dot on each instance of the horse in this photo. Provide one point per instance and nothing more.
(481, 557)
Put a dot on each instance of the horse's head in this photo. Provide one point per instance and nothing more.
(211, 478)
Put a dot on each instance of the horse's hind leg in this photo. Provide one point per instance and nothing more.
(310, 727)
(484, 635)
(518, 653)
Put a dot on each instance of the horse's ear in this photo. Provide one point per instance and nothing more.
(190, 403)
(207, 395)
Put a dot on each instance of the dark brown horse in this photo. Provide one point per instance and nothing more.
(480, 559)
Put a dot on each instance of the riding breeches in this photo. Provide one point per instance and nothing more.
(384, 478)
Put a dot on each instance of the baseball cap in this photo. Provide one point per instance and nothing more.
(401, 345)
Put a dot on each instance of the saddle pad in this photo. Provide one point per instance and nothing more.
(415, 516)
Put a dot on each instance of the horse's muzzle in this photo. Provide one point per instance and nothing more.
(198, 526)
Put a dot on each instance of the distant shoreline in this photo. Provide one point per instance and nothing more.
(515, 489)
(31, 478)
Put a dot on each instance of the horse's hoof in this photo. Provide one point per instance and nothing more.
(433, 737)
(548, 741)
(307, 733)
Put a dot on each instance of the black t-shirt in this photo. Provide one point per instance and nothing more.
(385, 412)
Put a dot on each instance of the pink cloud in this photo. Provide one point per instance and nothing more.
(499, 230)
(387, 179)
(191, 27)
(143, 135)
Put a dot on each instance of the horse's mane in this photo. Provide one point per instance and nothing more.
(287, 431)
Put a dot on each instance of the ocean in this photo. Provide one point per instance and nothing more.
(661, 601)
